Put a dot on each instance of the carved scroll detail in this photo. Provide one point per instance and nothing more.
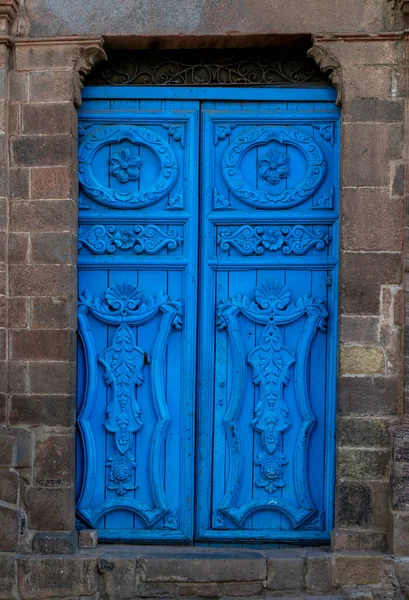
(149, 239)
(123, 363)
(256, 240)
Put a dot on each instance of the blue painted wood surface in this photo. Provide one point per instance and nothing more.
(242, 452)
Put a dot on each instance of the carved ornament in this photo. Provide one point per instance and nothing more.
(8, 13)
(330, 66)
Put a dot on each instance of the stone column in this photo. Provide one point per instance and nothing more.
(40, 296)
(370, 399)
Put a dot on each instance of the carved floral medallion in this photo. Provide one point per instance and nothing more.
(125, 166)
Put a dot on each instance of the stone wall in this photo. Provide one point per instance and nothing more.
(39, 92)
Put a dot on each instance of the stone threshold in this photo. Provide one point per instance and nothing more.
(123, 572)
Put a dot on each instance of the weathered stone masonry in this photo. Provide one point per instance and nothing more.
(40, 84)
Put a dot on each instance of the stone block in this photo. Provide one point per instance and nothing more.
(52, 313)
(363, 504)
(48, 119)
(19, 183)
(52, 86)
(8, 577)
(359, 330)
(355, 540)
(285, 570)
(400, 533)
(319, 571)
(250, 588)
(3, 401)
(87, 538)
(57, 248)
(156, 590)
(373, 109)
(51, 410)
(119, 576)
(368, 395)
(41, 150)
(358, 463)
(18, 86)
(402, 574)
(54, 461)
(365, 432)
(398, 177)
(220, 566)
(361, 279)
(398, 310)
(400, 486)
(9, 529)
(9, 486)
(55, 542)
(355, 569)
(371, 220)
(53, 183)
(18, 248)
(48, 215)
(362, 360)
(17, 312)
(203, 590)
(17, 377)
(400, 436)
(13, 115)
(56, 577)
(367, 149)
(50, 509)
(42, 344)
(45, 57)
(214, 18)
(371, 52)
(52, 377)
(15, 447)
(42, 280)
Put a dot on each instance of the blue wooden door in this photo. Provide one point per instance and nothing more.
(267, 321)
(137, 317)
(230, 438)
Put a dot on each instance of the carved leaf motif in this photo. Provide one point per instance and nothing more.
(177, 132)
(326, 132)
(123, 363)
(324, 201)
(221, 132)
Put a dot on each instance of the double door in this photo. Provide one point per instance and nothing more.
(207, 316)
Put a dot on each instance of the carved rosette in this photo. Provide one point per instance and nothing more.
(270, 362)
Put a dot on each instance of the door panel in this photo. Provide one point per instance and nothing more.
(137, 318)
(268, 309)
